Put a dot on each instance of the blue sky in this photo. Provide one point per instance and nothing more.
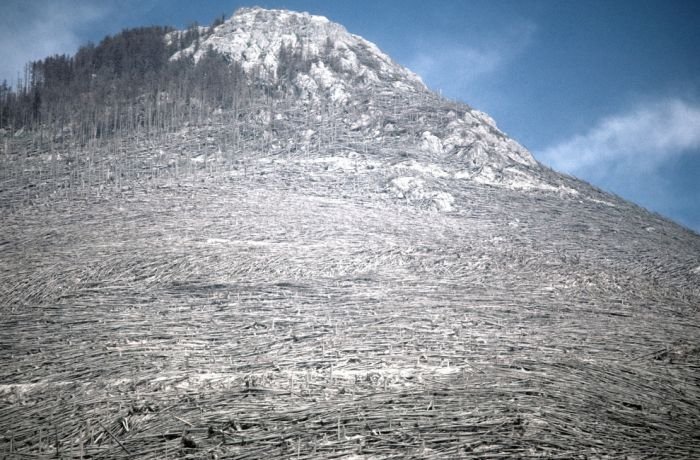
(608, 91)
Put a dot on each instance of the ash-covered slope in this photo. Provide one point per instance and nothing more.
(318, 61)
(301, 275)
(267, 42)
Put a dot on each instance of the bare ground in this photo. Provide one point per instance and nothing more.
(251, 313)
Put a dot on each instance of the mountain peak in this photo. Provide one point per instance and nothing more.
(315, 59)
(327, 58)
(218, 230)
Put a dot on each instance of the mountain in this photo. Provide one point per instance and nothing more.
(349, 71)
(281, 243)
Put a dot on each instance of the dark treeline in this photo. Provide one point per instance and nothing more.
(126, 83)
(130, 84)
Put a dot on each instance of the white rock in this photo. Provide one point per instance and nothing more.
(431, 143)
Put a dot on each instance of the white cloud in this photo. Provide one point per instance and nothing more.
(34, 30)
(452, 68)
(640, 155)
(460, 64)
(637, 142)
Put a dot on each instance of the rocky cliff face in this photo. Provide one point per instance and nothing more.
(265, 41)
(319, 62)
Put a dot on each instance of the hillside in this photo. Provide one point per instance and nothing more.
(330, 261)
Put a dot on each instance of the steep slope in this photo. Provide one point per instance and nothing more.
(383, 274)
(317, 60)
(267, 42)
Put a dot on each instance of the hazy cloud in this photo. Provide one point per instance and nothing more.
(641, 155)
(455, 63)
(443, 65)
(31, 30)
(636, 142)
